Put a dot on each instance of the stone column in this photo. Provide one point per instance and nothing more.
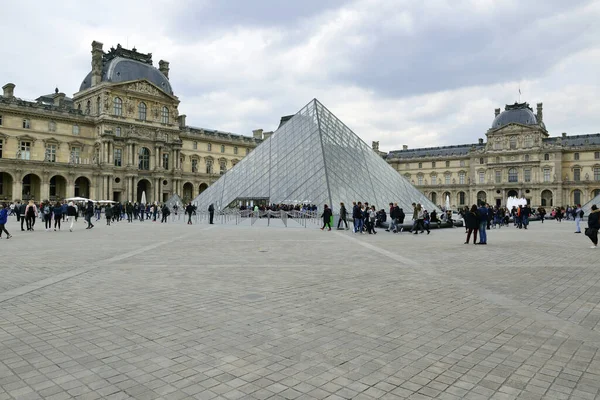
(17, 188)
(134, 188)
(110, 187)
(153, 161)
(70, 188)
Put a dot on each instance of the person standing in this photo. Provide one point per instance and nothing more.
(31, 213)
(357, 217)
(525, 212)
(108, 213)
(326, 217)
(165, 213)
(419, 220)
(472, 223)
(71, 214)
(393, 215)
(89, 213)
(47, 215)
(483, 218)
(542, 213)
(57, 215)
(129, 211)
(22, 213)
(3, 221)
(370, 218)
(578, 215)
(415, 218)
(211, 213)
(189, 209)
(593, 226)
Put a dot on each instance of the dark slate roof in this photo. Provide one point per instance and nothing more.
(518, 113)
(574, 140)
(48, 99)
(220, 134)
(443, 151)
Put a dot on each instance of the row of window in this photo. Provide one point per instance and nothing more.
(209, 148)
(526, 159)
(142, 110)
(51, 126)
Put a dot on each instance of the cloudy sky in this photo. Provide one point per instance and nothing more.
(421, 73)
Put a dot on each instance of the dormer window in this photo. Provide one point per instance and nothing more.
(118, 106)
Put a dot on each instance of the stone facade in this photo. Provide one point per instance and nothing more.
(113, 140)
(519, 158)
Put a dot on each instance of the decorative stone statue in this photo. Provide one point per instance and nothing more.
(19, 154)
(72, 158)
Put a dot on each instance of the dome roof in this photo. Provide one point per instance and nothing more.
(518, 113)
(121, 69)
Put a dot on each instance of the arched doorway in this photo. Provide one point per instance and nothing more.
(577, 197)
(202, 188)
(6, 182)
(462, 198)
(595, 193)
(188, 192)
(513, 193)
(144, 186)
(481, 197)
(58, 188)
(82, 187)
(31, 187)
(547, 198)
(433, 197)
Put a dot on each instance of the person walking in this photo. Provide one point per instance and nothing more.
(57, 211)
(343, 215)
(189, 209)
(371, 216)
(165, 213)
(211, 213)
(593, 226)
(31, 213)
(419, 219)
(472, 223)
(3, 221)
(71, 214)
(47, 215)
(89, 213)
(108, 213)
(357, 216)
(393, 217)
(415, 218)
(483, 218)
(326, 217)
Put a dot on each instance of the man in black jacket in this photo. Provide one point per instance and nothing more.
(211, 213)
(89, 213)
(189, 209)
(22, 209)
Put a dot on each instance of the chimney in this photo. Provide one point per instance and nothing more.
(163, 66)
(539, 115)
(564, 134)
(9, 90)
(97, 54)
(58, 99)
(267, 135)
(404, 147)
(181, 120)
(480, 141)
(496, 112)
(375, 146)
(257, 133)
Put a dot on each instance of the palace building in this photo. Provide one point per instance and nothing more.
(519, 158)
(119, 136)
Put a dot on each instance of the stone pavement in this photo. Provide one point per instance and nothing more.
(150, 311)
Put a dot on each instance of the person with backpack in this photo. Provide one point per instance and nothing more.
(326, 217)
(47, 215)
(578, 213)
(71, 214)
(57, 211)
(31, 213)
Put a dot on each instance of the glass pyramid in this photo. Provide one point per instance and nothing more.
(313, 158)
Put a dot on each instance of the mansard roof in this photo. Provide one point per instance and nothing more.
(574, 140)
(442, 151)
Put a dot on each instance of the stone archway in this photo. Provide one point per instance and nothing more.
(433, 197)
(82, 187)
(188, 192)
(144, 186)
(547, 198)
(31, 187)
(202, 188)
(57, 188)
(512, 193)
(6, 184)
(461, 198)
(481, 197)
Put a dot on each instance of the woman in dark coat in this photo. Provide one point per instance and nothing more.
(342, 216)
(326, 217)
(472, 223)
(593, 226)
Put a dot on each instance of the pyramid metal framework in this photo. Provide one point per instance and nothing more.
(313, 158)
(587, 207)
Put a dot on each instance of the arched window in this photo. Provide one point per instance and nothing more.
(513, 175)
(98, 109)
(512, 142)
(481, 161)
(142, 111)
(118, 106)
(461, 198)
(577, 196)
(144, 159)
(546, 157)
(165, 115)
(88, 107)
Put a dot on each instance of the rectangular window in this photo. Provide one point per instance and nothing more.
(576, 156)
(209, 147)
(222, 168)
(26, 124)
(194, 165)
(447, 164)
(75, 155)
(434, 180)
(528, 141)
(235, 150)
(433, 164)
(527, 175)
(118, 131)
(0, 119)
(596, 172)
(25, 150)
(512, 142)
(497, 145)
(51, 126)
(209, 167)
(118, 157)
(546, 175)
(420, 165)
(576, 174)
(447, 179)
(498, 176)
(222, 149)
(195, 146)
(461, 198)
(165, 160)
(482, 177)
(461, 178)
(75, 129)
(596, 153)
(462, 163)
(51, 153)
(419, 180)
